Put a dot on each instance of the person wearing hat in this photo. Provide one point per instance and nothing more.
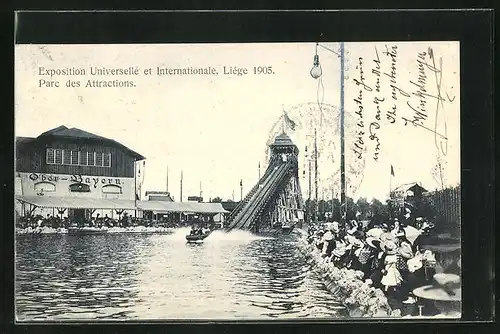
(319, 239)
(328, 244)
(338, 255)
(410, 278)
(356, 230)
(375, 262)
(397, 228)
(334, 228)
(445, 292)
(392, 278)
(354, 246)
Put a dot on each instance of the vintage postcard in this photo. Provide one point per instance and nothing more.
(237, 181)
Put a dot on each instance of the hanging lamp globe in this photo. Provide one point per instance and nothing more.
(316, 70)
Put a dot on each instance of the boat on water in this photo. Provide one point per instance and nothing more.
(287, 228)
(197, 237)
(86, 230)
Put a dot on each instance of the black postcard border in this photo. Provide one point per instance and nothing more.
(474, 30)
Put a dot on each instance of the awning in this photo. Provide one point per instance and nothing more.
(77, 202)
(186, 207)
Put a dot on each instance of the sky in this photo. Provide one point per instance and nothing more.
(215, 128)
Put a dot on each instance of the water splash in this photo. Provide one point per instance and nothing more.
(179, 235)
(234, 235)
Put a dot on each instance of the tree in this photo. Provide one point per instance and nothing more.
(363, 207)
(380, 212)
(438, 172)
(351, 209)
(216, 200)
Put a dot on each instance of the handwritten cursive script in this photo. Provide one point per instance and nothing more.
(359, 143)
(386, 98)
(420, 112)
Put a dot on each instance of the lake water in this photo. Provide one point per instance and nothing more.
(230, 276)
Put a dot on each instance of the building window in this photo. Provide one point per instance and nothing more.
(91, 156)
(79, 188)
(66, 157)
(98, 159)
(41, 187)
(107, 159)
(59, 157)
(50, 156)
(77, 158)
(111, 189)
(83, 158)
(74, 158)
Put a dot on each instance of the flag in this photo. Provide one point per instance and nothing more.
(288, 121)
(392, 170)
(143, 171)
(241, 183)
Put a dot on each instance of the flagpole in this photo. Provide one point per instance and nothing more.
(310, 192)
(259, 172)
(167, 178)
(181, 184)
(142, 177)
(283, 122)
(343, 205)
(315, 177)
(135, 188)
(333, 194)
(390, 194)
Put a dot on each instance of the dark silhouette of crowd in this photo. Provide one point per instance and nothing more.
(393, 257)
(55, 222)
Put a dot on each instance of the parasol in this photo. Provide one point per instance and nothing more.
(374, 232)
(411, 233)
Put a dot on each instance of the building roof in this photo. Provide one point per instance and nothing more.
(106, 203)
(22, 141)
(75, 133)
(282, 140)
(185, 207)
(229, 206)
(156, 192)
(77, 202)
(159, 195)
(409, 186)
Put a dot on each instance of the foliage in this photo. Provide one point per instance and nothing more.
(380, 211)
(441, 207)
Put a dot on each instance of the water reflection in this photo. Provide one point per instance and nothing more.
(235, 275)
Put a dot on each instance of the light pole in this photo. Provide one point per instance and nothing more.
(315, 178)
(316, 72)
(314, 209)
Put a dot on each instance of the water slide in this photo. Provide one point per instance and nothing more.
(250, 209)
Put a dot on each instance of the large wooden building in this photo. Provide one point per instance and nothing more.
(71, 172)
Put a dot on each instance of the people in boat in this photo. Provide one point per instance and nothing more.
(194, 230)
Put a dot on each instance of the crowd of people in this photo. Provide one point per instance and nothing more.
(56, 222)
(391, 256)
(201, 229)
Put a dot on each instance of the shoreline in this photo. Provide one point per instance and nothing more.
(360, 299)
(111, 230)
